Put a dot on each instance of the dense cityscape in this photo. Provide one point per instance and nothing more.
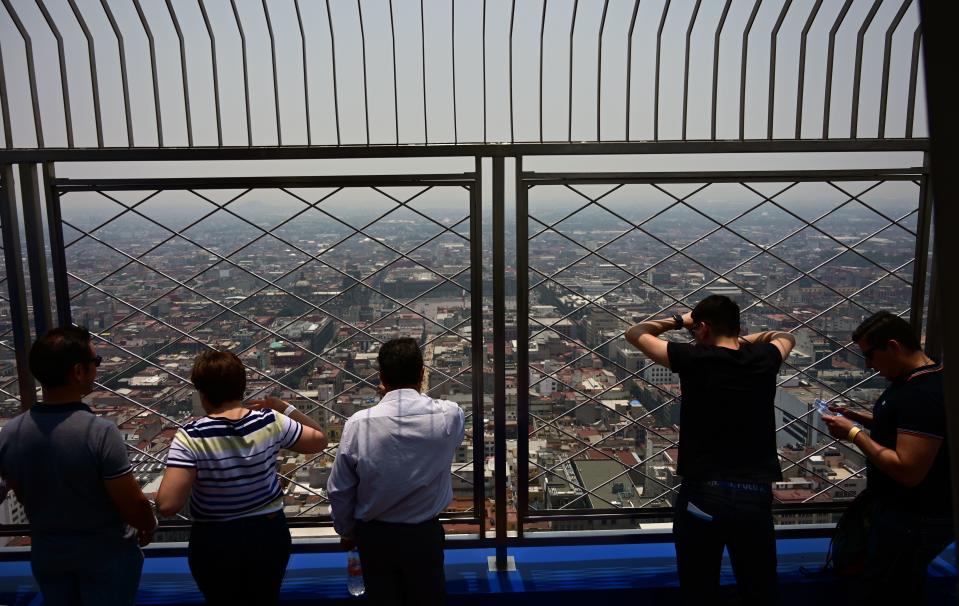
(306, 300)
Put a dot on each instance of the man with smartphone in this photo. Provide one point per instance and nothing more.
(907, 462)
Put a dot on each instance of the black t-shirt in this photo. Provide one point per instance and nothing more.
(913, 404)
(727, 419)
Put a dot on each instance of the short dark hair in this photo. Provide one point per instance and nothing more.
(220, 376)
(882, 327)
(401, 363)
(721, 313)
(56, 352)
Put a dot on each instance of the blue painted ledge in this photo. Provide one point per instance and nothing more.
(545, 575)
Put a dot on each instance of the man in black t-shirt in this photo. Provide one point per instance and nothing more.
(727, 447)
(907, 462)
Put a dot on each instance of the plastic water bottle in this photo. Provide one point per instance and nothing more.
(354, 573)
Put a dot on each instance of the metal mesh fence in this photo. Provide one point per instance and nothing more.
(302, 283)
(812, 254)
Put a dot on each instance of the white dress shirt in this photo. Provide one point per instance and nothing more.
(393, 461)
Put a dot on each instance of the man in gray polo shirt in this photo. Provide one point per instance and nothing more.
(70, 470)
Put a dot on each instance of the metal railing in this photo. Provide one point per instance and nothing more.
(327, 68)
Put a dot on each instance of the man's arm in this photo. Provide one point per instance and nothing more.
(907, 464)
(134, 507)
(645, 336)
(783, 341)
(341, 488)
(120, 485)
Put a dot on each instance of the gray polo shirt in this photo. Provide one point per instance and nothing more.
(59, 456)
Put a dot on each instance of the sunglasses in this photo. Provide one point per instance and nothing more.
(868, 353)
(97, 360)
(692, 329)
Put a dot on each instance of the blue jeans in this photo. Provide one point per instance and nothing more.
(900, 547)
(93, 578)
(739, 518)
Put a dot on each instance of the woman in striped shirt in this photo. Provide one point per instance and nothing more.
(225, 463)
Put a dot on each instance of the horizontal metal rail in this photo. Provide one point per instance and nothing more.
(118, 154)
(68, 185)
(771, 176)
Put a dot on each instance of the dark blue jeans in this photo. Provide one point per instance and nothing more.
(901, 546)
(402, 563)
(97, 576)
(258, 544)
(710, 518)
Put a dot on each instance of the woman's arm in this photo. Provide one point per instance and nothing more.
(312, 440)
(175, 489)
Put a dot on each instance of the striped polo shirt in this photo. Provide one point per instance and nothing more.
(235, 462)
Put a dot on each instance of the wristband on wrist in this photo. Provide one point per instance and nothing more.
(853, 432)
(290, 409)
(678, 319)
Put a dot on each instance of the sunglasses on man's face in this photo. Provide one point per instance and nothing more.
(868, 353)
(97, 360)
(692, 329)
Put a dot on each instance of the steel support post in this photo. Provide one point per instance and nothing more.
(522, 349)
(15, 285)
(940, 45)
(921, 265)
(933, 346)
(499, 359)
(30, 187)
(477, 351)
(61, 285)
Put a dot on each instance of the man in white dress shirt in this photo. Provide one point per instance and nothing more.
(391, 479)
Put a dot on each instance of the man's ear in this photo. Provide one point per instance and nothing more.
(76, 373)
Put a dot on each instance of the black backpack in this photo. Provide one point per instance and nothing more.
(847, 548)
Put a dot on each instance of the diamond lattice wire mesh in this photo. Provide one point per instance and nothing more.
(9, 388)
(302, 283)
(810, 256)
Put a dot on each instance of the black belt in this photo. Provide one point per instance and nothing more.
(748, 486)
(262, 517)
(398, 524)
